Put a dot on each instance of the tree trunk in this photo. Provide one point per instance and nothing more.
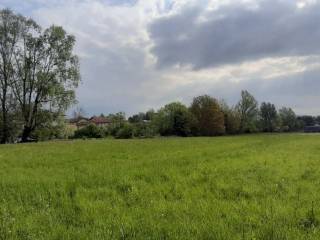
(4, 130)
(4, 127)
(26, 134)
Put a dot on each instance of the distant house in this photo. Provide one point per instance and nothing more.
(312, 129)
(77, 123)
(81, 122)
(100, 121)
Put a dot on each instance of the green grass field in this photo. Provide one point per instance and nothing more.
(244, 187)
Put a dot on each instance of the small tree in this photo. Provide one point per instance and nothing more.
(231, 118)
(125, 132)
(117, 121)
(174, 119)
(269, 117)
(150, 114)
(288, 119)
(248, 111)
(208, 116)
(90, 131)
(137, 118)
(144, 129)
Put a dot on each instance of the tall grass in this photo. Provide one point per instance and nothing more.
(244, 187)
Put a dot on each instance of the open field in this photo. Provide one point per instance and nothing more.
(244, 187)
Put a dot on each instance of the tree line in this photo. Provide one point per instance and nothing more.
(38, 76)
(206, 116)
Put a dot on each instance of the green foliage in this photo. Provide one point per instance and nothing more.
(137, 118)
(49, 127)
(150, 114)
(288, 119)
(269, 117)
(307, 120)
(125, 132)
(232, 119)
(90, 131)
(243, 187)
(144, 130)
(209, 118)
(40, 73)
(118, 118)
(232, 122)
(248, 110)
(13, 128)
(10, 29)
(174, 119)
(143, 124)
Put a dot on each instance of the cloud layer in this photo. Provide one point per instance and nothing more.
(138, 54)
(235, 33)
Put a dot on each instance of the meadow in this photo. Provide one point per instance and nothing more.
(242, 187)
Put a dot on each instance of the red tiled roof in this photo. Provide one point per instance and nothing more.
(99, 120)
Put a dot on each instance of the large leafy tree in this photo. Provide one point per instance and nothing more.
(248, 111)
(47, 72)
(10, 33)
(209, 116)
(38, 72)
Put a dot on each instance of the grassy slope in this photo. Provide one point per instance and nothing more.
(247, 187)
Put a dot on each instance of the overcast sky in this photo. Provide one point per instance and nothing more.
(141, 54)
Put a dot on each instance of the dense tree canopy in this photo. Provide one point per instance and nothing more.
(38, 73)
(174, 119)
(269, 117)
(209, 117)
(231, 118)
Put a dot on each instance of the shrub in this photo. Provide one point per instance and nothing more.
(125, 132)
(90, 131)
(144, 130)
(174, 119)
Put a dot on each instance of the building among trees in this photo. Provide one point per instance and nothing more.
(81, 122)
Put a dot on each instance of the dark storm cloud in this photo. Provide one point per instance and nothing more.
(235, 33)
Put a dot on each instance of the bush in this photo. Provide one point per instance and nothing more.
(113, 130)
(174, 119)
(144, 130)
(90, 131)
(125, 132)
